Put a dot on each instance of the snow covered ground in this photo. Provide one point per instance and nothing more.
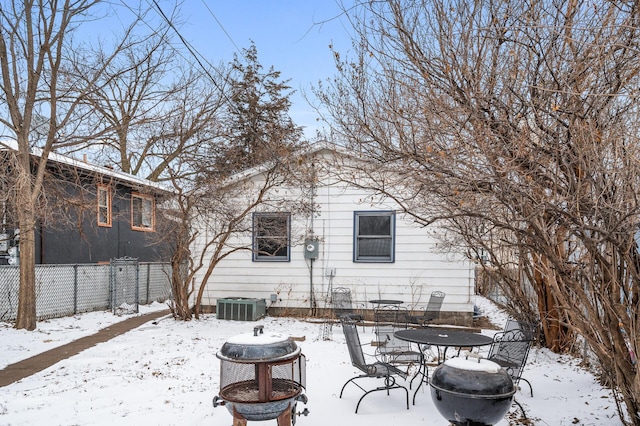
(167, 374)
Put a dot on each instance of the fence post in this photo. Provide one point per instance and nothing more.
(112, 280)
(148, 281)
(137, 287)
(75, 289)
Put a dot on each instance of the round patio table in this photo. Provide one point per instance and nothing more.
(441, 338)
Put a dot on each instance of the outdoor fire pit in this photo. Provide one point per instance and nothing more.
(262, 377)
(471, 391)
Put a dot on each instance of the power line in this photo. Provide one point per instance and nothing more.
(196, 55)
(192, 51)
(221, 26)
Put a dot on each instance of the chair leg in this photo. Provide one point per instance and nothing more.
(350, 381)
(390, 383)
(529, 383)
(381, 389)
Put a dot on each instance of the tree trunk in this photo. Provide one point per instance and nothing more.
(26, 316)
(180, 292)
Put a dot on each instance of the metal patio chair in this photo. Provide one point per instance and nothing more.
(510, 349)
(342, 305)
(388, 320)
(432, 310)
(529, 328)
(379, 369)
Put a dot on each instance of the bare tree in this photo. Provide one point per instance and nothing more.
(151, 108)
(514, 125)
(209, 216)
(249, 130)
(43, 104)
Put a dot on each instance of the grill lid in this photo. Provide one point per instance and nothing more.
(478, 378)
(259, 347)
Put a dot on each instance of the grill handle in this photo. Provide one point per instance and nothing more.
(302, 397)
(217, 401)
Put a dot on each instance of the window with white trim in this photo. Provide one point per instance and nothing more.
(271, 237)
(142, 212)
(104, 205)
(374, 237)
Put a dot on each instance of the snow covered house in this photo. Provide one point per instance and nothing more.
(351, 239)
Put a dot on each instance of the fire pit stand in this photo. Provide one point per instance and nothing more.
(262, 377)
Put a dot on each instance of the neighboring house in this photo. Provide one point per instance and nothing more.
(372, 249)
(92, 214)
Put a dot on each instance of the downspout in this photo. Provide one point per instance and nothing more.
(312, 304)
(311, 299)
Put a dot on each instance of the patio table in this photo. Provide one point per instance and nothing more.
(441, 338)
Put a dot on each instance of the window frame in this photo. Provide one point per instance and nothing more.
(104, 189)
(143, 198)
(357, 258)
(260, 257)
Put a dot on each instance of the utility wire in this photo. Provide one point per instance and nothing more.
(192, 51)
(220, 25)
(196, 55)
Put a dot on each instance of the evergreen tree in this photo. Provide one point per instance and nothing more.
(257, 126)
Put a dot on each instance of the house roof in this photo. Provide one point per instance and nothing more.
(310, 149)
(11, 145)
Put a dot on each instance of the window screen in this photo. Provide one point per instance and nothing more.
(104, 205)
(374, 236)
(142, 211)
(271, 232)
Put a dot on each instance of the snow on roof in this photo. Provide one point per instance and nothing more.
(8, 144)
(310, 149)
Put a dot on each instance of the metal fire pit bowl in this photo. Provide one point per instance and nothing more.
(471, 392)
(262, 377)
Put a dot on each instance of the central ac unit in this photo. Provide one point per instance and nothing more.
(241, 309)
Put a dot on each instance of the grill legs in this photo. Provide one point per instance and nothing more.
(284, 419)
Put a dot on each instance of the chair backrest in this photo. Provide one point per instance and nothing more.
(432, 311)
(388, 344)
(528, 328)
(510, 350)
(388, 315)
(341, 301)
(388, 320)
(353, 343)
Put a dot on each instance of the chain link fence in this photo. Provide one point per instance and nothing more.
(63, 290)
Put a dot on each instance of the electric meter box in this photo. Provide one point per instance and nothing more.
(311, 249)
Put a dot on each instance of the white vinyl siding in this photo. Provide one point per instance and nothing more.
(419, 266)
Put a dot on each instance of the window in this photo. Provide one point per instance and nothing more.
(142, 212)
(374, 237)
(104, 205)
(271, 232)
